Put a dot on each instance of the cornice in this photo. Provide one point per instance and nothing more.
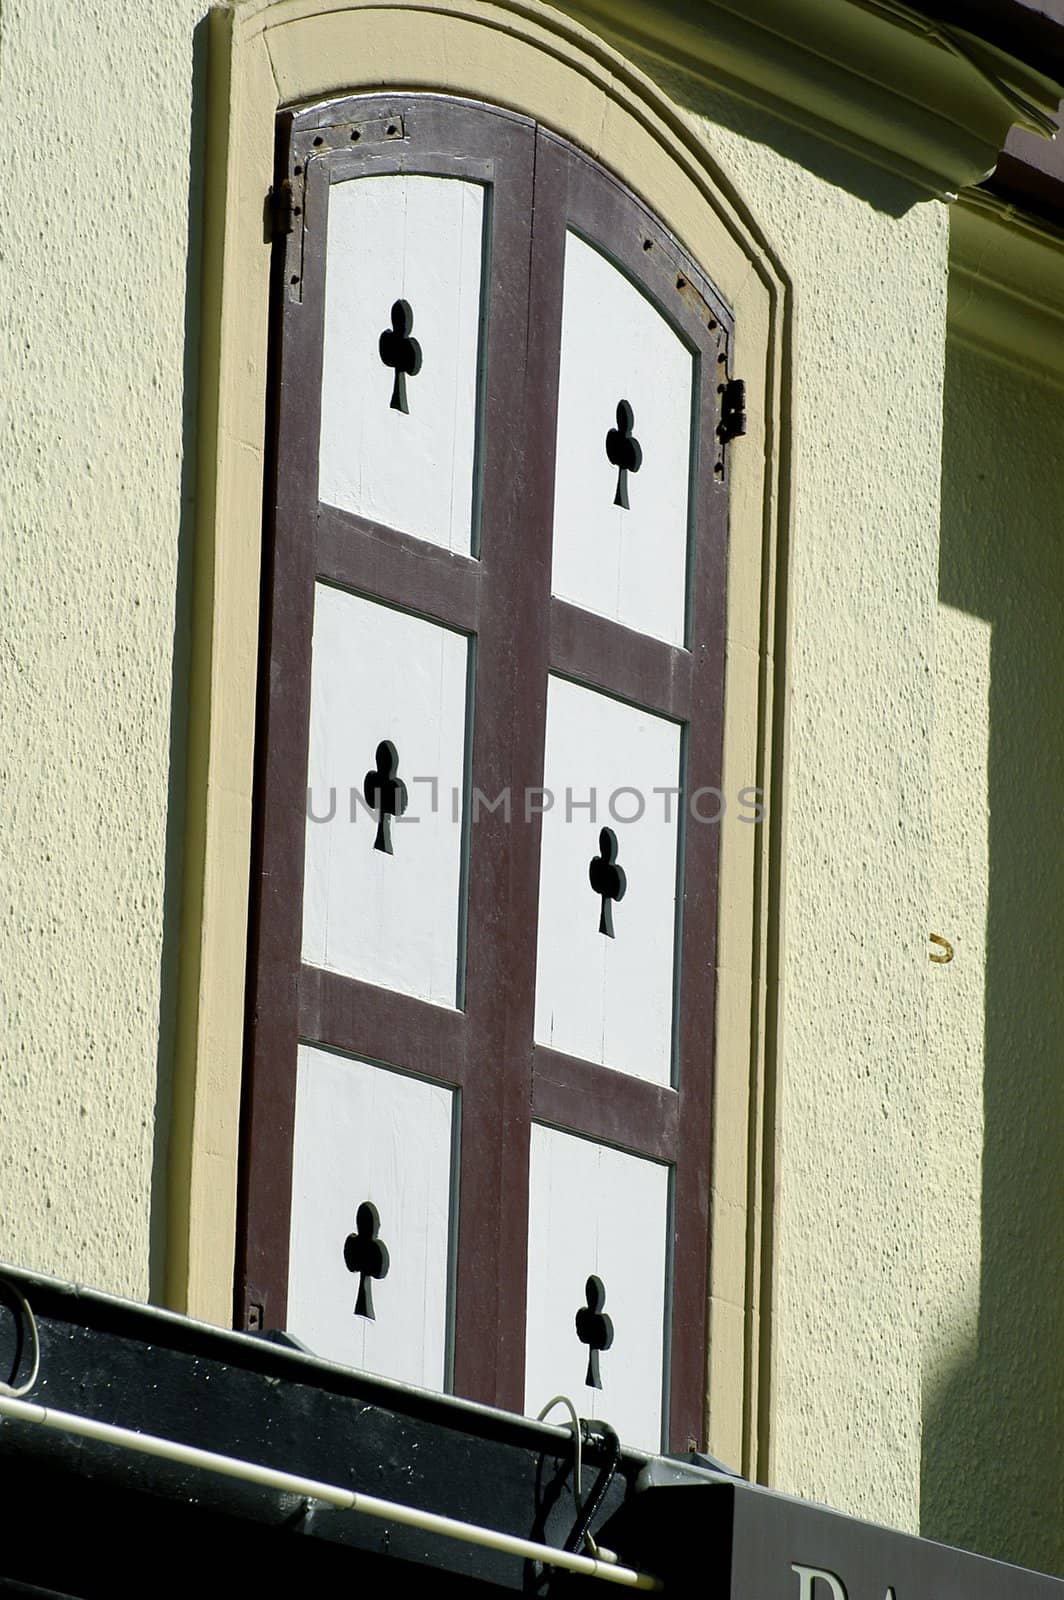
(928, 103)
(1006, 292)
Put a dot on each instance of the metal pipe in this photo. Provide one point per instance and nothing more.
(150, 1444)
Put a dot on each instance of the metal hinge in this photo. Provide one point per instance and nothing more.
(732, 411)
(284, 207)
(284, 220)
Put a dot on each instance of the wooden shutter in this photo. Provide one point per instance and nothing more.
(476, 1134)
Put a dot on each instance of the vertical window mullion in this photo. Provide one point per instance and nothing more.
(501, 914)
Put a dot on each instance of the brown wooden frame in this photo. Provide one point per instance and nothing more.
(503, 598)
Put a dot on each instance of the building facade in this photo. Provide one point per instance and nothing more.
(856, 1097)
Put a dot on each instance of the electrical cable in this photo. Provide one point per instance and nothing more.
(578, 1481)
(16, 1391)
(579, 1424)
(580, 1534)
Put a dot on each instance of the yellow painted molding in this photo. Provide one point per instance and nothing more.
(929, 104)
(1006, 292)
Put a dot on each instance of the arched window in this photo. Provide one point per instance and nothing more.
(481, 995)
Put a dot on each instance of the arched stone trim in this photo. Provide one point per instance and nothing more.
(533, 60)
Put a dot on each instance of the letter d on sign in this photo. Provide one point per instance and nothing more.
(807, 1589)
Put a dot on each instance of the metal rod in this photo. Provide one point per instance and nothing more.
(150, 1444)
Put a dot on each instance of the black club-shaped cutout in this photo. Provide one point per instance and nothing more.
(623, 451)
(607, 879)
(367, 1255)
(400, 351)
(385, 793)
(594, 1328)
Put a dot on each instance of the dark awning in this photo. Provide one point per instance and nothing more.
(94, 1516)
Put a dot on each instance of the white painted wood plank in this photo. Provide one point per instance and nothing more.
(366, 1133)
(391, 919)
(593, 1209)
(608, 1000)
(629, 565)
(419, 239)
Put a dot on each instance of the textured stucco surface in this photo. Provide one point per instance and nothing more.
(95, 112)
(870, 302)
(993, 1473)
(902, 1246)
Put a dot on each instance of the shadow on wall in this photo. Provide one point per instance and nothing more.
(827, 160)
(993, 1450)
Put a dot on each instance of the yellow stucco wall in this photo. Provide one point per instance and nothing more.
(875, 1287)
(95, 138)
(994, 1419)
(869, 265)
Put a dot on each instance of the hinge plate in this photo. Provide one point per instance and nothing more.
(283, 223)
(284, 206)
(285, 218)
(732, 423)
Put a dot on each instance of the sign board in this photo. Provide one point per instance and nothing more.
(753, 1544)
